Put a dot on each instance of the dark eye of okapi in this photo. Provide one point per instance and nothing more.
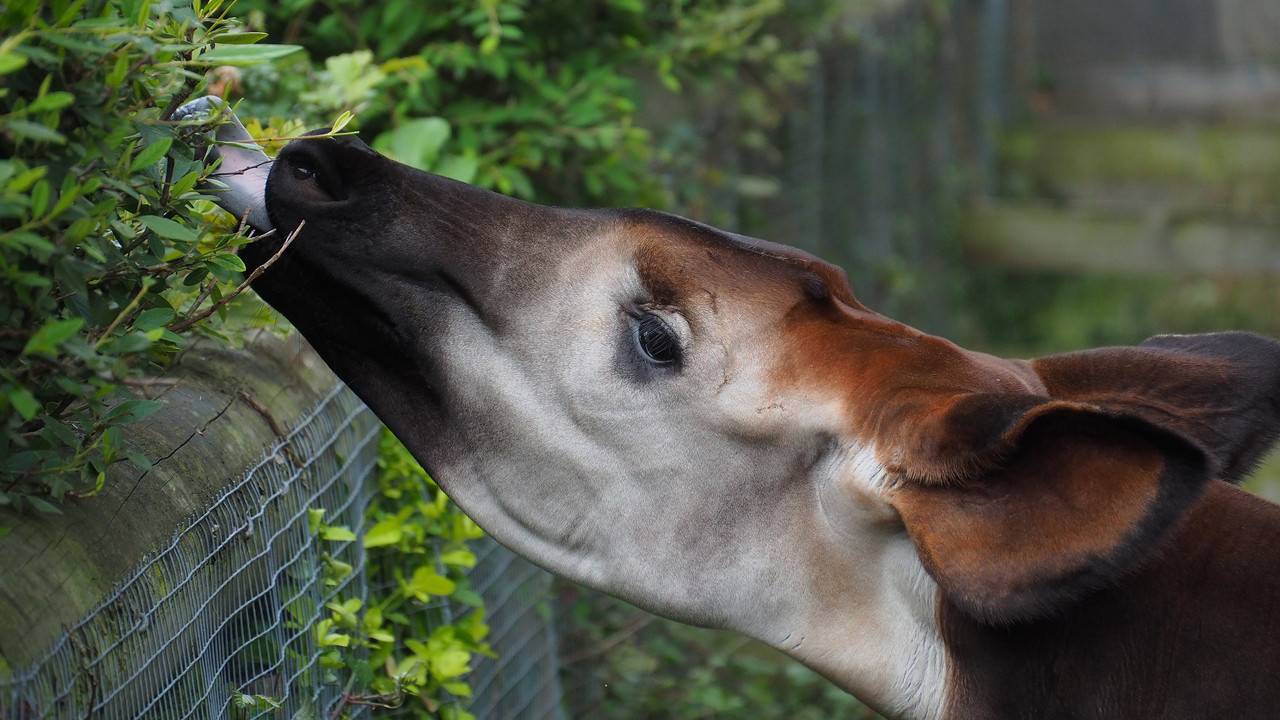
(656, 341)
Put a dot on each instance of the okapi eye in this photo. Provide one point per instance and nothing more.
(309, 182)
(656, 341)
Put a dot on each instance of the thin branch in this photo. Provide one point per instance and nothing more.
(186, 324)
(204, 294)
(610, 642)
(287, 138)
(123, 313)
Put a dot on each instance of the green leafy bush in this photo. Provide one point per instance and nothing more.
(111, 258)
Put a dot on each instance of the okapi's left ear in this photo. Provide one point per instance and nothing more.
(1019, 503)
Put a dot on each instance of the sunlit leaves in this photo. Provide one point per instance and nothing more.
(388, 643)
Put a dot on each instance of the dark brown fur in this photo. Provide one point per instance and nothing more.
(1194, 633)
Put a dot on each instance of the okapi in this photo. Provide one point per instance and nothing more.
(713, 428)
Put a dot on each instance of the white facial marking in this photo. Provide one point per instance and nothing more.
(880, 639)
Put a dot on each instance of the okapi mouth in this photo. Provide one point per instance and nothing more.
(349, 324)
(244, 167)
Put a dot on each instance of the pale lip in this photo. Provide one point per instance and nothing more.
(241, 178)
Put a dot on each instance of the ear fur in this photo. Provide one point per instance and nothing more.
(1222, 390)
(1061, 498)
(1019, 502)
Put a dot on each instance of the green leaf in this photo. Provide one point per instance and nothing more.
(459, 558)
(24, 402)
(142, 462)
(154, 318)
(242, 38)
(335, 639)
(459, 689)
(450, 663)
(186, 184)
(51, 101)
(150, 155)
(131, 411)
(363, 672)
(11, 62)
(338, 568)
(27, 179)
(130, 342)
(35, 131)
(387, 532)
(314, 517)
(47, 338)
(462, 168)
(43, 505)
(246, 54)
(169, 229)
(343, 120)
(228, 261)
(415, 143)
(467, 596)
(39, 198)
(426, 582)
(336, 533)
(118, 71)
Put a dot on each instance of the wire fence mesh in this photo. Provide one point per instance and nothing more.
(220, 623)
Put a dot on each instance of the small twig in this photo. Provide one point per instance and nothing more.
(608, 643)
(183, 92)
(123, 313)
(148, 382)
(290, 138)
(165, 192)
(265, 412)
(185, 324)
(145, 385)
(342, 699)
(375, 701)
(136, 242)
(204, 293)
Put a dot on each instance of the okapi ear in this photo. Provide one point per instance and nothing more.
(1222, 390)
(1059, 498)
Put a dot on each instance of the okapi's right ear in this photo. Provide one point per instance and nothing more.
(1018, 502)
(1051, 500)
(1222, 390)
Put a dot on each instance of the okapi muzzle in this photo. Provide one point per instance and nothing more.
(712, 427)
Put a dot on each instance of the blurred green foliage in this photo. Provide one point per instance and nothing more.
(533, 99)
(621, 662)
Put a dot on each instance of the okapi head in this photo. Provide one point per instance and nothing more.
(712, 427)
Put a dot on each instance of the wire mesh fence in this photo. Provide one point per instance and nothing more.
(227, 605)
(220, 623)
